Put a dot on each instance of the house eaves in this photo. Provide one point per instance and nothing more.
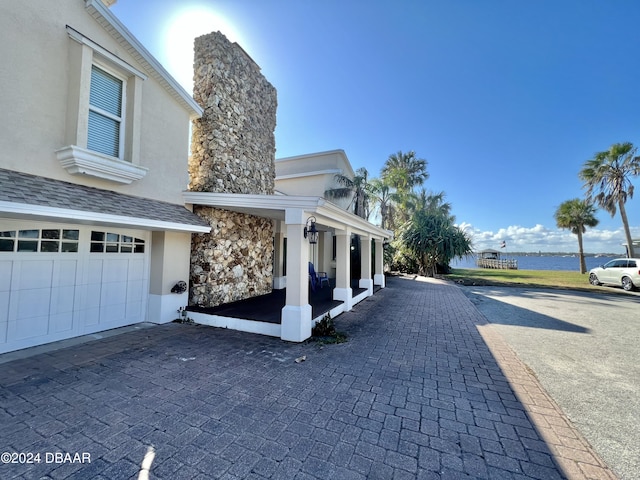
(341, 153)
(332, 171)
(100, 12)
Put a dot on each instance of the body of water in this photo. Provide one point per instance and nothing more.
(535, 262)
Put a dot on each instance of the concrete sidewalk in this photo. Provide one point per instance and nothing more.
(423, 388)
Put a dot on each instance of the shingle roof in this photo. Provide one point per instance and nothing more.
(18, 187)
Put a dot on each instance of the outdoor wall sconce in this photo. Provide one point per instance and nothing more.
(179, 287)
(310, 231)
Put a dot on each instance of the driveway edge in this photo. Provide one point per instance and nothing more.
(571, 451)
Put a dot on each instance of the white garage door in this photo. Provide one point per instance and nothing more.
(61, 281)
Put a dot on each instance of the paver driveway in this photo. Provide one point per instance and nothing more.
(418, 391)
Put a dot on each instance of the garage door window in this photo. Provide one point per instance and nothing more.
(50, 240)
(106, 242)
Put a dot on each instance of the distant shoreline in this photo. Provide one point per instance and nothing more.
(557, 254)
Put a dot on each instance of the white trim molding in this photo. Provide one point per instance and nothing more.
(80, 161)
(339, 152)
(332, 171)
(103, 52)
(275, 206)
(239, 324)
(39, 212)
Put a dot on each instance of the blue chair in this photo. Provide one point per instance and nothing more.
(324, 278)
(317, 278)
(313, 277)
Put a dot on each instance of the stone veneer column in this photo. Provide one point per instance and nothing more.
(233, 151)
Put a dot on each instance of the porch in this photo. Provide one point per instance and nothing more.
(263, 314)
(291, 311)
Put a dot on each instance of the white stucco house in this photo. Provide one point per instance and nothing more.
(96, 219)
(314, 174)
(94, 231)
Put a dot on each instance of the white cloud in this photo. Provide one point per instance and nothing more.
(540, 238)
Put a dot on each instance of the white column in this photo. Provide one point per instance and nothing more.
(343, 290)
(296, 314)
(365, 264)
(326, 254)
(279, 279)
(378, 277)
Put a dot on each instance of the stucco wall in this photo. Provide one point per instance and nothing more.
(170, 256)
(233, 151)
(315, 185)
(35, 98)
(313, 174)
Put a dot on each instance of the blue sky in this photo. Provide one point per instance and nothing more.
(505, 99)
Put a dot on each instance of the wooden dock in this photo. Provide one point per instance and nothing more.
(506, 264)
(491, 259)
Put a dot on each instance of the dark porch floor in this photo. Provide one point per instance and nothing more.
(268, 308)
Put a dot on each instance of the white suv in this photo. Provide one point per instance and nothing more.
(623, 272)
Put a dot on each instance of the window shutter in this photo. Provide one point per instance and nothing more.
(105, 112)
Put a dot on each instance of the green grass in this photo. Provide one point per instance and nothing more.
(521, 278)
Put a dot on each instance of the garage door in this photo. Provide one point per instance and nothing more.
(61, 281)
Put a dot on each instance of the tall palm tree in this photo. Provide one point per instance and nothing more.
(384, 198)
(607, 178)
(576, 215)
(404, 171)
(356, 188)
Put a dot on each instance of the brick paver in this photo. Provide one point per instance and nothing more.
(424, 388)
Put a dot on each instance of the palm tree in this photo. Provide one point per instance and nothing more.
(384, 197)
(358, 188)
(404, 171)
(576, 215)
(607, 179)
(433, 202)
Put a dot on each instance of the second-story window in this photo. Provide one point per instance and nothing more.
(106, 98)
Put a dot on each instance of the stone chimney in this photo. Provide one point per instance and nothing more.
(232, 151)
(233, 145)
